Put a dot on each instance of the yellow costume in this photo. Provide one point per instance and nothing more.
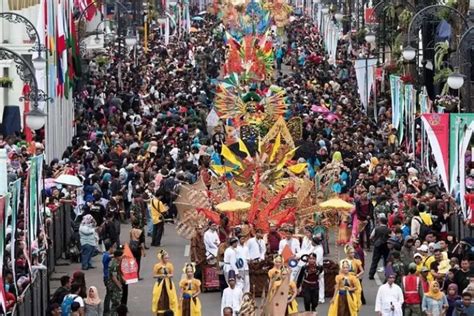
(190, 306)
(164, 291)
(339, 307)
(293, 305)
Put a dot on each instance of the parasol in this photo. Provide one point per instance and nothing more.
(233, 206)
(319, 109)
(336, 204)
(67, 179)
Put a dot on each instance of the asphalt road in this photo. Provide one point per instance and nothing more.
(139, 302)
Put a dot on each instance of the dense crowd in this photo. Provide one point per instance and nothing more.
(141, 133)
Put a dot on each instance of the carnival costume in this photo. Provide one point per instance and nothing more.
(346, 300)
(164, 292)
(190, 288)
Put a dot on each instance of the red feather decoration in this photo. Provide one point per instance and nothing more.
(275, 202)
(209, 214)
(256, 198)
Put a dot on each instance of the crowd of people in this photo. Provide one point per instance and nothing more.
(141, 134)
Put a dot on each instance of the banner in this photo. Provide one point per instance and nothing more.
(369, 16)
(365, 78)
(33, 199)
(461, 127)
(129, 266)
(2, 250)
(15, 191)
(437, 129)
(394, 95)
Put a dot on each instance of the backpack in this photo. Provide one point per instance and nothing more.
(66, 305)
(424, 229)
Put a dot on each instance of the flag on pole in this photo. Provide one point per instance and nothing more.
(88, 7)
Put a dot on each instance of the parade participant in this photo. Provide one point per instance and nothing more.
(115, 281)
(389, 299)
(164, 292)
(256, 246)
(242, 255)
(230, 258)
(275, 272)
(273, 239)
(412, 291)
(190, 288)
(355, 267)
(294, 246)
(319, 251)
(434, 302)
(232, 295)
(308, 281)
(346, 299)
(211, 241)
(158, 210)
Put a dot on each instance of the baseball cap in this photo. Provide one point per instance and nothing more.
(423, 248)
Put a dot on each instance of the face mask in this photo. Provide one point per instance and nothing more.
(7, 287)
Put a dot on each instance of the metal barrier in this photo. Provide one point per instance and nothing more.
(460, 229)
(36, 295)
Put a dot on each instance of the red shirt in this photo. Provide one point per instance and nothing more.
(273, 241)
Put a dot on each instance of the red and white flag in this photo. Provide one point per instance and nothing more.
(87, 5)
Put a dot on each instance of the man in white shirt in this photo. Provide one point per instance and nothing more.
(256, 246)
(242, 254)
(295, 248)
(232, 296)
(230, 258)
(211, 240)
(389, 299)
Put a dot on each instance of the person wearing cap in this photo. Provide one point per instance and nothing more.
(424, 274)
(412, 291)
(230, 258)
(232, 295)
(389, 299)
(211, 240)
(273, 239)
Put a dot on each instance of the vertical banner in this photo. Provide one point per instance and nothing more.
(437, 129)
(33, 198)
(15, 191)
(461, 127)
(394, 96)
(2, 249)
(39, 190)
(365, 78)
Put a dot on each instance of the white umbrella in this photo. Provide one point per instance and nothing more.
(67, 179)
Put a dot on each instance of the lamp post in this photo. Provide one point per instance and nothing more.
(38, 62)
(36, 118)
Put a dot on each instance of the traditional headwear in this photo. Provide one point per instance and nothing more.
(348, 248)
(191, 265)
(277, 258)
(162, 253)
(231, 275)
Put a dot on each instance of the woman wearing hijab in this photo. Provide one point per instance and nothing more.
(88, 238)
(452, 296)
(93, 304)
(434, 302)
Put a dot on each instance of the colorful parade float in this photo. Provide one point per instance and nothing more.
(260, 177)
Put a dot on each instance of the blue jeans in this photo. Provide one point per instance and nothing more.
(87, 252)
(149, 224)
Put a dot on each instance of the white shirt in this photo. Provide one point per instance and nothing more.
(211, 242)
(293, 243)
(242, 252)
(389, 295)
(257, 248)
(231, 298)
(230, 258)
(319, 251)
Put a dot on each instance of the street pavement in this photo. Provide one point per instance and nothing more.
(139, 301)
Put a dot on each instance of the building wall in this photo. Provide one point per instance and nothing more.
(59, 126)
